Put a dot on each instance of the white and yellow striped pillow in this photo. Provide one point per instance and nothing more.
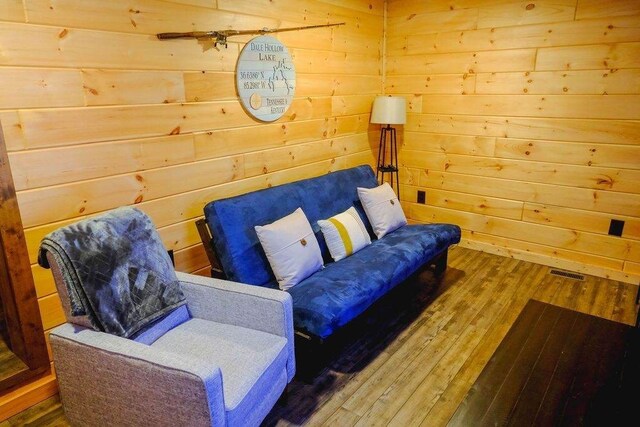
(344, 233)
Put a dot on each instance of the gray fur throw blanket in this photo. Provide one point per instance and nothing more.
(116, 271)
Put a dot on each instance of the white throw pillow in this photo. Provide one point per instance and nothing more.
(291, 248)
(344, 233)
(382, 208)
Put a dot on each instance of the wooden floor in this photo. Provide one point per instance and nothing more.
(418, 353)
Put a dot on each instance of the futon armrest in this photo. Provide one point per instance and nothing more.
(100, 373)
(252, 307)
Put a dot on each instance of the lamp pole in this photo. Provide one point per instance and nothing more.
(391, 168)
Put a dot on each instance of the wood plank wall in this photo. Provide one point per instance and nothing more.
(524, 125)
(98, 113)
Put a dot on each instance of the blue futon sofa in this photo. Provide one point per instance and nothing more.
(333, 296)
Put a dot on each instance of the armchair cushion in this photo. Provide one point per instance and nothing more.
(252, 362)
(252, 307)
(117, 275)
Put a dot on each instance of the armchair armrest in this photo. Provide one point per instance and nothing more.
(252, 307)
(105, 379)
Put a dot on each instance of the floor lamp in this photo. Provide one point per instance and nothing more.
(388, 110)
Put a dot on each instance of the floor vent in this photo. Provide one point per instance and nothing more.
(568, 274)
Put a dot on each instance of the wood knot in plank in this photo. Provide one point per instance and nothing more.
(605, 180)
(91, 90)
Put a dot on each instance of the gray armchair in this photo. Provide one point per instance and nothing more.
(226, 363)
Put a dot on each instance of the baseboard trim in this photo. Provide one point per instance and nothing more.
(538, 258)
(27, 395)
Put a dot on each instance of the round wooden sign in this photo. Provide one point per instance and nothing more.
(265, 78)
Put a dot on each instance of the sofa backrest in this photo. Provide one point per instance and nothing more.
(232, 220)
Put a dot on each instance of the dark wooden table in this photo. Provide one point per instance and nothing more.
(558, 367)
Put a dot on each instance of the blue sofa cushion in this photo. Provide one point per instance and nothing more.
(341, 291)
(232, 220)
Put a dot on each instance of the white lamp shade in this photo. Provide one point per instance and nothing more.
(389, 110)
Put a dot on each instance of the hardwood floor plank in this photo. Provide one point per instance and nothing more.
(554, 399)
(602, 347)
(46, 413)
(609, 300)
(630, 374)
(543, 370)
(342, 417)
(604, 404)
(567, 295)
(603, 303)
(547, 288)
(625, 306)
(588, 294)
